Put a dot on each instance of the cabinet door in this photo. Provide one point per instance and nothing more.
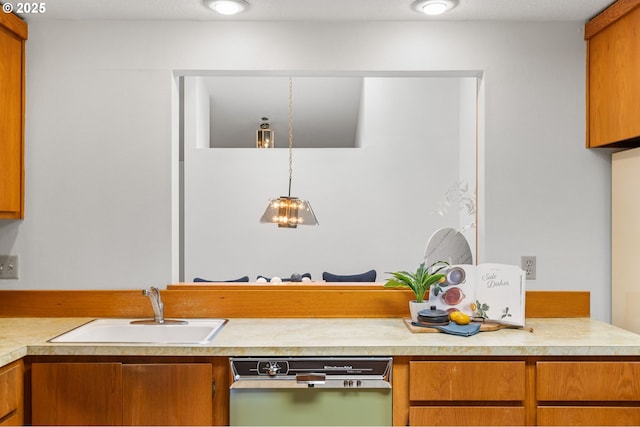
(168, 394)
(12, 394)
(76, 393)
(613, 97)
(11, 116)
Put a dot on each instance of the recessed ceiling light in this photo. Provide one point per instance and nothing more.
(226, 7)
(434, 7)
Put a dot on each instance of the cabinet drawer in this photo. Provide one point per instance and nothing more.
(11, 383)
(588, 416)
(582, 381)
(466, 416)
(438, 381)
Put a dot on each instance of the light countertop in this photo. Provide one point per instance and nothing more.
(20, 337)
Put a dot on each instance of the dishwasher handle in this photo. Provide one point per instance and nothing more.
(311, 379)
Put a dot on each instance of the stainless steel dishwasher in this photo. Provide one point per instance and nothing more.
(311, 391)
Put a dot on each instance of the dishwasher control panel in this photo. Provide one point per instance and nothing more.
(343, 372)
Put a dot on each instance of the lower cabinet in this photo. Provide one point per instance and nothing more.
(76, 393)
(532, 390)
(467, 393)
(588, 393)
(114, 393)
(12, 394)
(160, 394)
(426, 391)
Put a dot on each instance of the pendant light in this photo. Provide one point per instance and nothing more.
(264, 136)
(287, 211)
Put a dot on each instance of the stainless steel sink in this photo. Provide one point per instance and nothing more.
(194, 331)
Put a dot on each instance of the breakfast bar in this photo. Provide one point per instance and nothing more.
(555, 370)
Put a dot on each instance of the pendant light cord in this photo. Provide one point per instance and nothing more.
(290, 133)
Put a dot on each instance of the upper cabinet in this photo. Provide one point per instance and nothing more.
(13, 34)
(613, 76)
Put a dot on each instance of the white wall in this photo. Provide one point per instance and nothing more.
(99, 156)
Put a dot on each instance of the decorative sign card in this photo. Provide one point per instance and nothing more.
(491, 291)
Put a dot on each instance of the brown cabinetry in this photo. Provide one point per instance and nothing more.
(530, 390)
(115, 393)
(467, 393)
(76, 394)
(613, 67)
(12, 394)
(588, 393)
(13, 33)
(167, 394)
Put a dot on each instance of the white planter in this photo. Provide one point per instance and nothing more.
(415, 307)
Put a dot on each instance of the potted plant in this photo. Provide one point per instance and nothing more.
(419, 282)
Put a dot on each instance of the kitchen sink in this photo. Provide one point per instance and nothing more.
(193, 331)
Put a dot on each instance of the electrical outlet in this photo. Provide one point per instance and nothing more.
(8, 266)
(528, 264)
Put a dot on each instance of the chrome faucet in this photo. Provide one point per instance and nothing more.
(158, 310)
(156, 302)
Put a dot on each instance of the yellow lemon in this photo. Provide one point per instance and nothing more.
(462, 319)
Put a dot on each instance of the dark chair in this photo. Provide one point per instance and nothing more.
(241, 279)
(369, 276)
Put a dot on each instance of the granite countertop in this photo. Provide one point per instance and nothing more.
(20, 337)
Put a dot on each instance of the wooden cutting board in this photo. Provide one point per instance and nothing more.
(484, 327)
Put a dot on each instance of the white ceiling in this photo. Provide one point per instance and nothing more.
(322, 10)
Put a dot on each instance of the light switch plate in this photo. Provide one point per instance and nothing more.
(8, 266)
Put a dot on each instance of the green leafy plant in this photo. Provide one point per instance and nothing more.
(419, 282)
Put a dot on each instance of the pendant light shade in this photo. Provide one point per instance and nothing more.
(288, 211)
